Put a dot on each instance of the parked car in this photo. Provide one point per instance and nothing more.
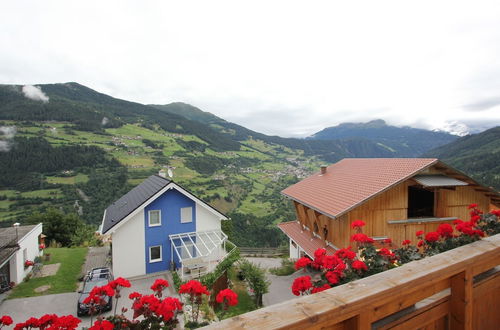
(96, 277)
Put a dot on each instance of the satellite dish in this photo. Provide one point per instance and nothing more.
(170, 174)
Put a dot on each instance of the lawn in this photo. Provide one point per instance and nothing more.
(66, 279)
(245, 301)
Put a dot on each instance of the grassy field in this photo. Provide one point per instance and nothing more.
(65, 280)
(79, 178)
(43, 193)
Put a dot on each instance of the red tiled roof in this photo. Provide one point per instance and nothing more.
(293, 229)
(352, 181)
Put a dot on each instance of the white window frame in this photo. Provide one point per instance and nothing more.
(149, 218)
(161, 254)
(191, 218)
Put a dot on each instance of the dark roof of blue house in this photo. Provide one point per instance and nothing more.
(129, 202)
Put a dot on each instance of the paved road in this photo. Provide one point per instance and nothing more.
(65, 303)
(280, 288)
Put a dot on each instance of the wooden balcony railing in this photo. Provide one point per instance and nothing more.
(457, 289)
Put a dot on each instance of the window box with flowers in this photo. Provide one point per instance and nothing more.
(365, 259)
(28, 263)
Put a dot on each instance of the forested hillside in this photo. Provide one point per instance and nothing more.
(477, 155)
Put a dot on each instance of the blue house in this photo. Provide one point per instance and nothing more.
(160, 226)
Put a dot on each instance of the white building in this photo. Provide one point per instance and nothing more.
(18, 245)
(160, 226)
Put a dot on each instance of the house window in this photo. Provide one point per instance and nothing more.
(155, 253)
(186, 214)
(420, 202)
(154, 218)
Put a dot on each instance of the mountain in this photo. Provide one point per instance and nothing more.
(477, 155)
(93, 111)
(404, 141)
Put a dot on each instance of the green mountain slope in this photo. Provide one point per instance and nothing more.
(87, 109)
(330, 151)
(477, 155)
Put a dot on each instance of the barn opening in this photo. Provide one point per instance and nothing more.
(420, 202)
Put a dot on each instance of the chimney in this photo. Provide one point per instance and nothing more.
(323, 169)
(162, 173)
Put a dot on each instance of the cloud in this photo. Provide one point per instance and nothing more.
(35, 93)
(7, 133)
(482, 105)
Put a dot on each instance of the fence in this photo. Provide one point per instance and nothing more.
(457, 289)
(263, 252)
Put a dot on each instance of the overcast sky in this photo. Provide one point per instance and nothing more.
(288, 67)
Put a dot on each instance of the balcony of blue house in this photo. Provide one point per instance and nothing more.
(195, 254)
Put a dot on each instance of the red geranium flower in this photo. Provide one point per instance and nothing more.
(102, 325)
(194, 287)
(406, 242)
(472, 206)
(445, 230)
(332, 277)
(134, 295)
(302, 263)
(432, 237)
(420, 243)
(321, 288)
(159, 285)
(358, 224)
(359, 265)
(319, 253)
(387, 241)
(120, 281)
(419, 233)
(301, 285)
(228, 297)
(361, 238)
(346, 253)
(6, 320)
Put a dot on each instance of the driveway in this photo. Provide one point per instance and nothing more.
(65, 303)
(280, 288)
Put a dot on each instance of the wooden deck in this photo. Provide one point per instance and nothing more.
(457, 289)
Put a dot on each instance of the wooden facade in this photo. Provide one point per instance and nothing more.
(457, 289)
(386, 214)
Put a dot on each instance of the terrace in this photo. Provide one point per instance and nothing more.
(199, 252)
(457, 289)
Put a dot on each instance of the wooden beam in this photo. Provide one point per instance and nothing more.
(365, 301)
(461, 301)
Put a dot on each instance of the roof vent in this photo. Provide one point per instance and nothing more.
(323, 169)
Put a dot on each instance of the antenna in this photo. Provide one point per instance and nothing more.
(170, 174)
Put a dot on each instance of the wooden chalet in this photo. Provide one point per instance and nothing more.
(395, 197)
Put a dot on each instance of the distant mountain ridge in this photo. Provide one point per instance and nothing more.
(406, 141)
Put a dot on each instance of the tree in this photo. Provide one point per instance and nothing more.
(58, 226)
(256, 280)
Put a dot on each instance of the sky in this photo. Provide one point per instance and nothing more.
(288, 68)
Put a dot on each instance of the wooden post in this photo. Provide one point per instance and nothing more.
(461, 301)
(359, 322)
